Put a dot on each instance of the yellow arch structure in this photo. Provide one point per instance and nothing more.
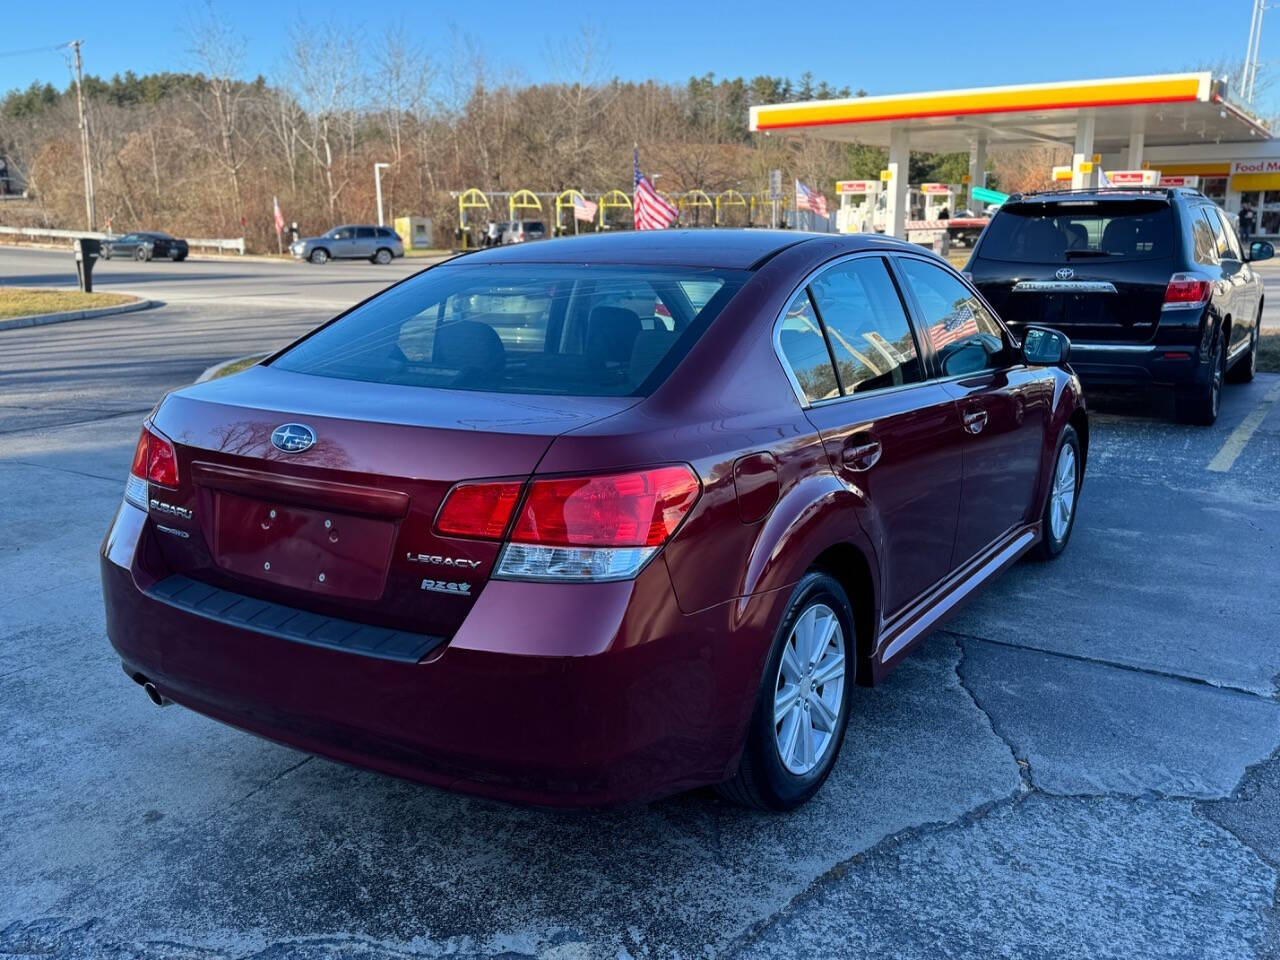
(613, 200)
(696, 200)
(523, 200)
(730, 198)
(565, 202)
(472, 199)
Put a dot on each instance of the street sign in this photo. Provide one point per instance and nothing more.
(775, 184)
(983, 195)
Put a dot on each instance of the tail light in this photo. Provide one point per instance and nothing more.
(588, 528)
(1186, 291)
(154, 461)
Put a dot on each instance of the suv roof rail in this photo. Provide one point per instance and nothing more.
(1069, 191)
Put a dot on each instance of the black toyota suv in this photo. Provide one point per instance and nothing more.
(1151, 285)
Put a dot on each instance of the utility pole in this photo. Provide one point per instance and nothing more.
(84, 138)
(377, 181)
(1249, 76)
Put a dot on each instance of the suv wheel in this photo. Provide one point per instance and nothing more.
(1064, 491)
(141, 253)
(1247, 365)
(803, 706)
(1199, 404)
(383, 256)
(319, 255)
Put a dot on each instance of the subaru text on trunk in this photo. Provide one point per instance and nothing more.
(594, 520)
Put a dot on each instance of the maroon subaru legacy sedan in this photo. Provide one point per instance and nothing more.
(595, 520)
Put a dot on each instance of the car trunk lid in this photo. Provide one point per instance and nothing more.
(343, 527)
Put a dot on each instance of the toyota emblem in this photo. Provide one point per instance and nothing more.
(1065, 273)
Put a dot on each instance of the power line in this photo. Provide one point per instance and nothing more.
(31, 50)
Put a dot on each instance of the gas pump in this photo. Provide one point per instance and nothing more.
(858, 205)
(938, 197)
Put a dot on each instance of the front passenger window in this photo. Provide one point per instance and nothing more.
(964, 335)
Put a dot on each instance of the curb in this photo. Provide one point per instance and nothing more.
(43, 319)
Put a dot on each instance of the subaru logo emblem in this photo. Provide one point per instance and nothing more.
(1065, 273)
(293, 437)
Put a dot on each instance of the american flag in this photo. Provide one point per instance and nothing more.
(584, 209)
(652, 212)
(277, 215)
(954, 326)
(808, 199)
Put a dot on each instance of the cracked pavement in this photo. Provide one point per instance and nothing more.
(1084, 763)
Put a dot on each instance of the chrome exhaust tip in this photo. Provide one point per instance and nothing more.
(154, 695)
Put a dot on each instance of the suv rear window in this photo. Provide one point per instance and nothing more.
(1064, 231)
(566, 329)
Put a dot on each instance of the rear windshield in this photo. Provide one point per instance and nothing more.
(1065, 231)
(570, 330)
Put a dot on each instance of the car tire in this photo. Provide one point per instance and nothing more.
(785, 761)
(382, 257)
(319, 256)
(1247, 365)
(105, 253)
(1059, 517)
(141, 254)
(1200, 404)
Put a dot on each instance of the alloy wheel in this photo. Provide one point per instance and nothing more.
(1062, 499)
(809, 690)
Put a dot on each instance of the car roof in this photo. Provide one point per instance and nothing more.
(732, 249)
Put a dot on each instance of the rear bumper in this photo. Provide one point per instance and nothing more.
(1122, 364)
(549, 694)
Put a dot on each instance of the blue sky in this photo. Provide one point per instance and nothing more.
(884, 48)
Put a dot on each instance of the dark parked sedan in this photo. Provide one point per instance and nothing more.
(149, 245)
(594, 521)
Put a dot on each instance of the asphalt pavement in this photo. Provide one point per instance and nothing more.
(1084, 763)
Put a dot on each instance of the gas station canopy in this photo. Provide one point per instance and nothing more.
(1172, 110)
(1174, 115)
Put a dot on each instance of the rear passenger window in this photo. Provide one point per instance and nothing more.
(1206, 244)
(964, 335)
(806, 351)
(1229, 235)
(364, 233)
(866, 326)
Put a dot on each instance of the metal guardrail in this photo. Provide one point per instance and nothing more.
(236, 245)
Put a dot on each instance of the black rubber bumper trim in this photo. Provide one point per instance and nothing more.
(289, 623)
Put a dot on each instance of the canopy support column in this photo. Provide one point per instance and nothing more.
(977, 171)
(1083, 152)
(1137, 140)
(899, 165)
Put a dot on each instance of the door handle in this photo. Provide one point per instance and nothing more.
(861, 452)
(975, 420)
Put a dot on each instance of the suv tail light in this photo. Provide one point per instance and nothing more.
(1186, 291)
(154, 461)
(588, 528)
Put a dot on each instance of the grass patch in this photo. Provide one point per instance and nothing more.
(1269, 352)
(244, 363)
(20, 302)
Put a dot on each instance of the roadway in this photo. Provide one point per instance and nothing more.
(1083, 764)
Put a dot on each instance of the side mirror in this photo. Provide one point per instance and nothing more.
(1261, 250)
(1042, 347)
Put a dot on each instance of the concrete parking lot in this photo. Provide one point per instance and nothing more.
(1085, 763)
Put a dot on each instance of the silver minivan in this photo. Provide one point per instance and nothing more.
(351, 242)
